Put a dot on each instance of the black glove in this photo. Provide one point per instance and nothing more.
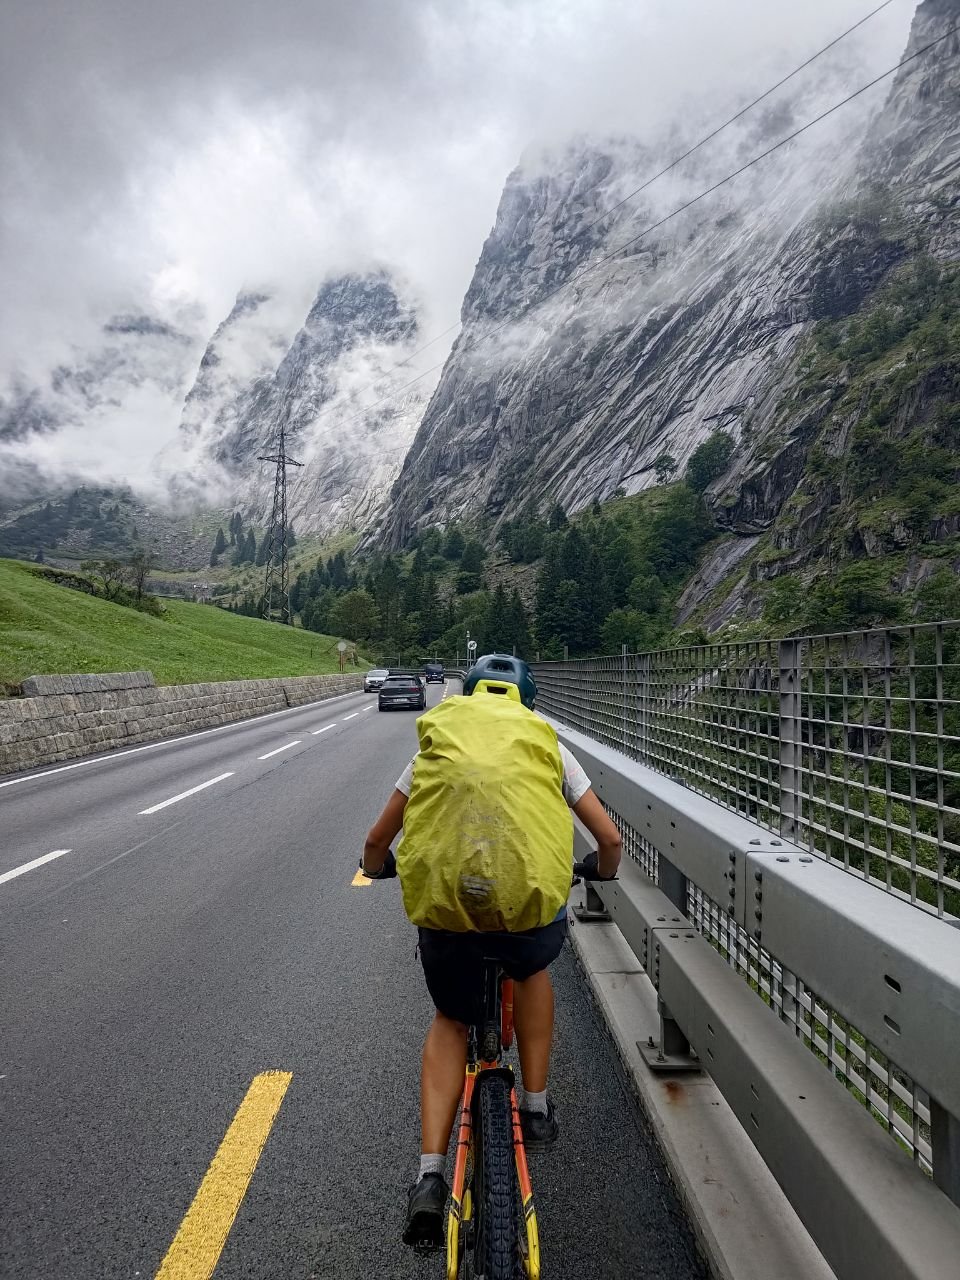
(387, 872)
(589, 870)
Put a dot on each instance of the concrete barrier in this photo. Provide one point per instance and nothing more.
(63, 717)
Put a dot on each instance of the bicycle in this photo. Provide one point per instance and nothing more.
(492, 1222)
(492, 1231)
(491, 1198)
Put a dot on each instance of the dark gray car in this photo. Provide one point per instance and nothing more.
(402, 691)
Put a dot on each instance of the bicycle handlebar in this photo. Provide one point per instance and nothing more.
(585, 870)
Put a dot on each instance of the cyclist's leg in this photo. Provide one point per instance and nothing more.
(525, 957)
(451, 967)
(441, 1081)
(533, 1022)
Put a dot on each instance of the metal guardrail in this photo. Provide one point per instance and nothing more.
(731, 897)
(846, 744)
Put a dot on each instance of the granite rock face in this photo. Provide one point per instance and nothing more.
(663, 333)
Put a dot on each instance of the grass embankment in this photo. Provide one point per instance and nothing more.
(46, 629)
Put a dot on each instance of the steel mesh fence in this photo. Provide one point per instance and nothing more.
(849, 744)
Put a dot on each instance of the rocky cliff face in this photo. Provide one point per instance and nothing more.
(699, 324)
(251, 378)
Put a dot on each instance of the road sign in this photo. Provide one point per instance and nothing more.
(342, 646)
(471, 646)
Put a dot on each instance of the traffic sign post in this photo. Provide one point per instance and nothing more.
(341, 650)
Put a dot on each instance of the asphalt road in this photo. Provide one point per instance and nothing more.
(151, 972)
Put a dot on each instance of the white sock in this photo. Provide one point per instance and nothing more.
(431, 1164)
(536, 1102)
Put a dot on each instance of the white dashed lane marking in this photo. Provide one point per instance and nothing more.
(29, 866)
(276, 751)
(155, 808)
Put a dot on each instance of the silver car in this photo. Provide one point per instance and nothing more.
(374, 679)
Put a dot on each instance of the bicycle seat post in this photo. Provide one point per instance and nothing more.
(489, 1038)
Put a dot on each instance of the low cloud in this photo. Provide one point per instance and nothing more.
(157, 160)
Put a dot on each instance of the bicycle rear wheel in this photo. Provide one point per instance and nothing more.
(496, 1253)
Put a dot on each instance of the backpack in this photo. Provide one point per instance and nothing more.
(487, 835)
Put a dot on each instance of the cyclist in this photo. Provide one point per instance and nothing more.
(452, 958)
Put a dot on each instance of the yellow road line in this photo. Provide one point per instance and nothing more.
(197, 1246)
(360, 879)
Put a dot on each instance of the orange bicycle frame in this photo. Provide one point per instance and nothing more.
(462, 1208)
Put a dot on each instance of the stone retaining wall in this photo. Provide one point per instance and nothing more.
(62, 717)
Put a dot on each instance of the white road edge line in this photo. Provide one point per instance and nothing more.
(154, 808)
(174, 742)
(352, 716)
(286, 747)
(29, 866)
(323, 730)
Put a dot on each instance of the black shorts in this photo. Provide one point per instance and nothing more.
(453, 962)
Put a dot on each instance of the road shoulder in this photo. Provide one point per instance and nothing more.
(741, 1219)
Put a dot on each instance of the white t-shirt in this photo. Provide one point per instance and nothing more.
(575, 782)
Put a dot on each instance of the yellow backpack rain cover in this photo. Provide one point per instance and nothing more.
(487, 836)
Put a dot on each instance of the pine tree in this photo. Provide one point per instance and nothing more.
(548, 585)
(453, 543)
(471, 568)
(597, 602)
(709, 461)
(497, 628)
(557, 518)
(518, 626)
(220, 544)
(387, 596)
(413, 586)
(431, 611)
(337, 569)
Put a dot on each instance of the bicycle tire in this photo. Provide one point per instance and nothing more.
(496, 1206)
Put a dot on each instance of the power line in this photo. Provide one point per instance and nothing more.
(649, 182)
(726, 124)
(574, 279)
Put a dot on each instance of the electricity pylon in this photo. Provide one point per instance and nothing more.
(275, 602)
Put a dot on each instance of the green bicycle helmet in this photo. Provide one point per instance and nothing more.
(501, 673)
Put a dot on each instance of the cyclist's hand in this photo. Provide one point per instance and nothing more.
(588, 869)
(387, 872)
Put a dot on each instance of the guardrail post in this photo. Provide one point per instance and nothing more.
(945, 1145)
(643, 706)
(623, 697)
(672, 1053)
(593, 910)
(566, 700)
(791, 735)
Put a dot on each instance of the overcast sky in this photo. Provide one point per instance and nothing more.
(159, 155)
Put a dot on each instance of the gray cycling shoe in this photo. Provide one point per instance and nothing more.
(425, 1212)
(539, 1131)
